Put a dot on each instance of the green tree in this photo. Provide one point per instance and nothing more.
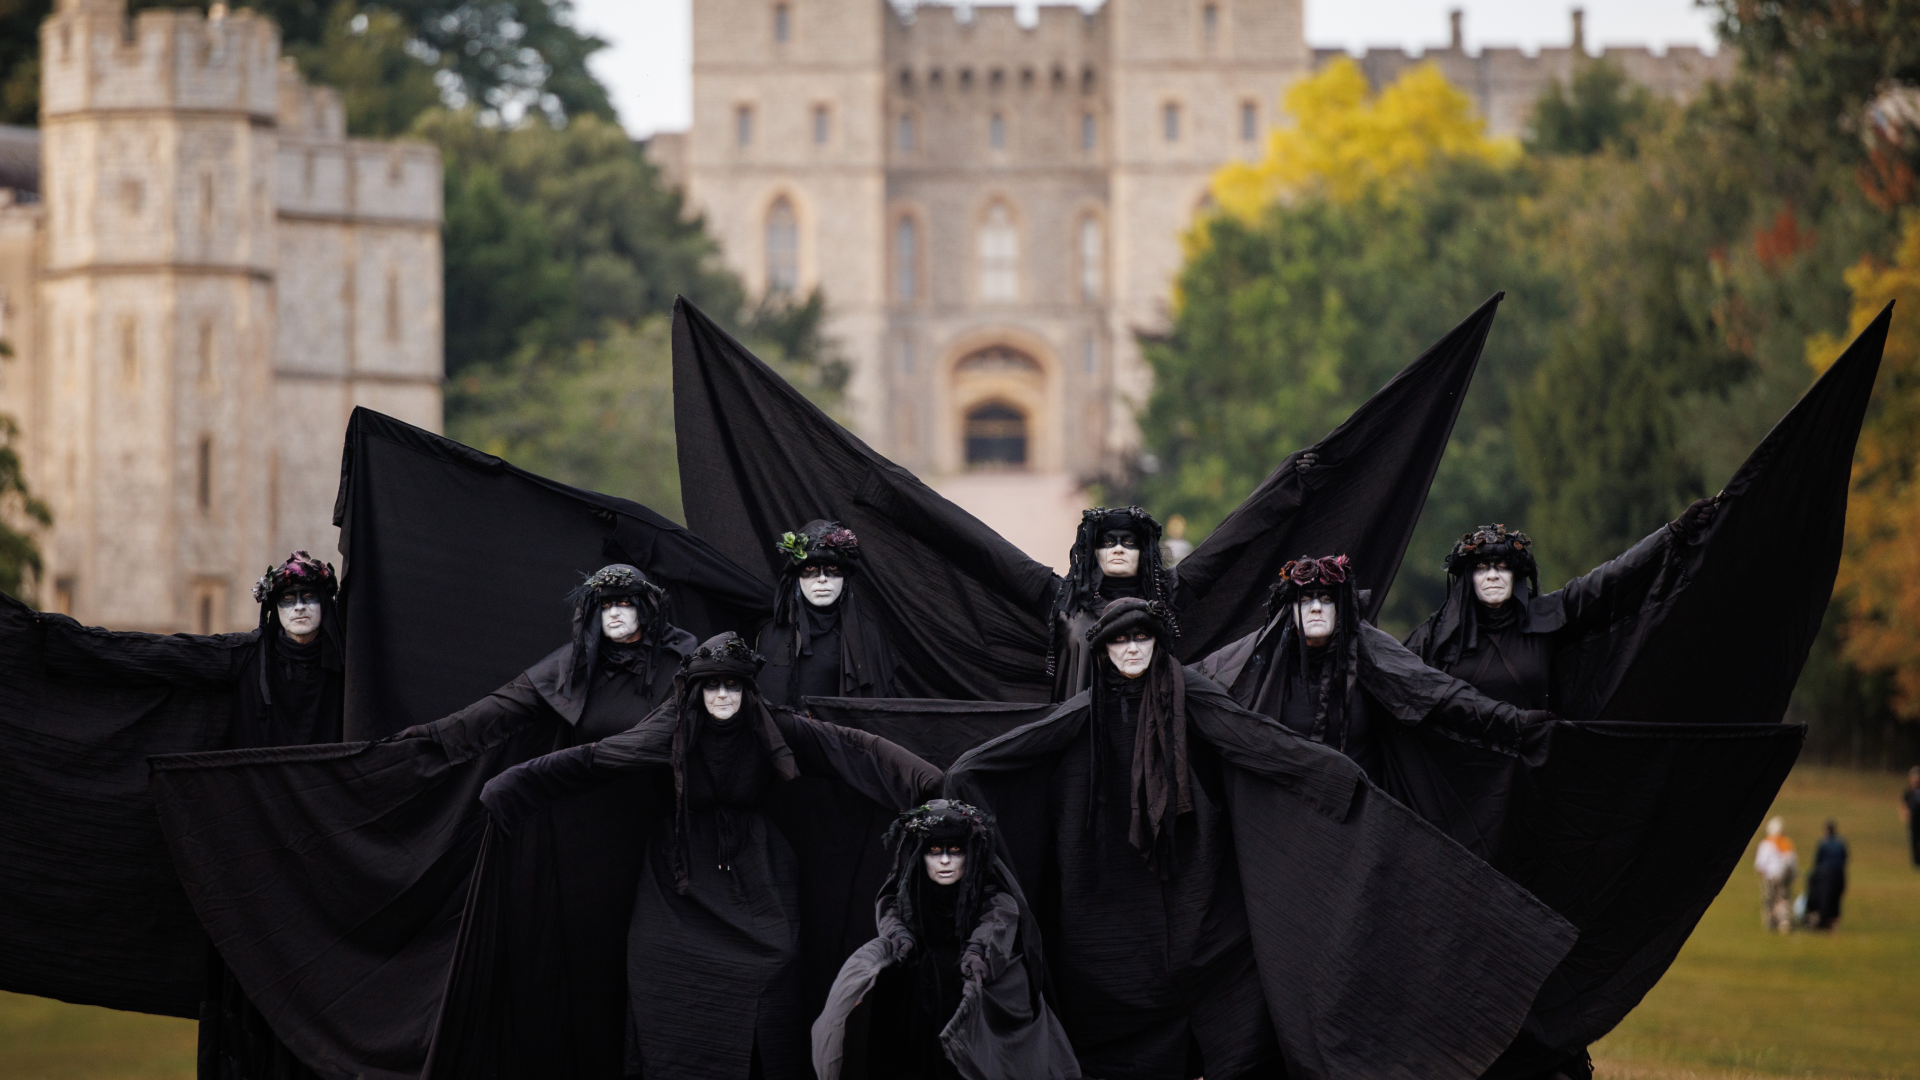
(370, 57)
(1602, 108)
(20, 59)
(19, 555)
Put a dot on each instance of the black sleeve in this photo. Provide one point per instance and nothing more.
(531, 786)
(878, 769)
(1617, 586)
(485, 722)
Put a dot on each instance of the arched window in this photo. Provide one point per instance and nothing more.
(1092, 256)
(997, 131)
(782, 23)
(905, 137)
(783, 248)
(1170, 121)
(906, 259)
(1087, 132)
(996, 437)
(999, 249)
(1249, 121)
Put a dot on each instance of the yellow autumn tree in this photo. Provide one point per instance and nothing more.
(1347, 140)
(1880, 566)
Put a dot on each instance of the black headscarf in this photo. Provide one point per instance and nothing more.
(818, 543)
(1341, 667)
(1161, 784)
(280, 658)
(725, 656)
(946, 822)
(1086, 589)
(612, 582)
(1454, 630)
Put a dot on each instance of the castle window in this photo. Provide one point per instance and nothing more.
(783, 248)
(743, 125)
(1059, 76)
(393, 304)
(1249, 121)
(133, 195)
(206, 201)
(822, 125)
(1090, 354)
(966, 78)
(129, 352)
(203, 474)
(996, 437)
(995, 78)
(1026, 78)
(906, 257)
(1091, 258)
(1087, 132)
(999, 250)
(906, 80)
(1170, 121)
(782, 23)
(905, 136)
(206, 353)
(1086, 81)
(997, 132)
(1210, 23)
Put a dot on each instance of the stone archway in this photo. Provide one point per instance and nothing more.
(996, 437)
(999, 401)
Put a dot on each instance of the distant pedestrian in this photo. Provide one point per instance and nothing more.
(1910, 813)
(1776, 862)
(1828, 881)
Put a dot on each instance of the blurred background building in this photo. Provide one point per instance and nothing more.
(200, 276)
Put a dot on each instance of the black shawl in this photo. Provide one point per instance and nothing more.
(966, 611)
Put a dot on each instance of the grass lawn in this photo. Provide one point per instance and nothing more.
(1743, 1003)
(1739, 1004)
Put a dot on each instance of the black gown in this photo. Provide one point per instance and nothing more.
(1305, 917)
(842, 653)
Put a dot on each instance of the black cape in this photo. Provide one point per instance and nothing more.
(456, 563)
(1004, 1026)
(522, 1002)
(846, 653)
(331, 878)
(965, 610)
(1365, 922)
(1675, 662)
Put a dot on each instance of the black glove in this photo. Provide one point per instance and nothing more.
(973, 966)
(1694, 518)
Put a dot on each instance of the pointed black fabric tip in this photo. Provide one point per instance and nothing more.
(1362, 499)
(457, 563)
(1766, 569)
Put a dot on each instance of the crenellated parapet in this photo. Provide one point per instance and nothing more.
(94, 57)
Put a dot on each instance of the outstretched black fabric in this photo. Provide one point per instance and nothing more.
(457, 562)
(1361, 498)
(534, 994)
(1369, 944)
(90, 908)
(967, 611)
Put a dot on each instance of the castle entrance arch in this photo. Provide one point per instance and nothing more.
(1000, 399)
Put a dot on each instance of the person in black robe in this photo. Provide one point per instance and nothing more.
(1828, 881)
(953, 986)
(1197, 865)
(820, 641)
(1506, 645)
(716, 930)
(1116, 554)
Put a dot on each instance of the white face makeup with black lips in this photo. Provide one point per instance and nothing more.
(1318, 617)
(620, 619)
(299, 611)
(1131, 653)
(1493, 583)
(1118, 553)
(822, 585)
(946, 863)
(722, 697)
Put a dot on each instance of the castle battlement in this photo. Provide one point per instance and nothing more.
(95, 58)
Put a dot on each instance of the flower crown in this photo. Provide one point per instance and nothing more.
(838, 540)
(1491, 540)
(733, 650)
(926, 817)
(1327, 570)
(300, 569)
(616, 579)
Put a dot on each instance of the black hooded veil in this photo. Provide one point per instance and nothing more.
(966, 611)
(835, 651)
(715, 865)
(1629, 817)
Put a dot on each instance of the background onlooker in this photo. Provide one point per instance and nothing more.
(1775, 862)
(1828, 881)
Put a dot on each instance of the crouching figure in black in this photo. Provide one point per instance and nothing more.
(954, 986)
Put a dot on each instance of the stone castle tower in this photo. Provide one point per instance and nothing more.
(212, 277)
(994, 207)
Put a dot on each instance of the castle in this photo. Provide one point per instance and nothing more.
(198, 283)
(994, 206)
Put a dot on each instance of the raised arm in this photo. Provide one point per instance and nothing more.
(1619, 586)
(1417, 694)
(876, 768)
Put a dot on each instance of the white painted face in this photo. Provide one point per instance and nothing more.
(1131, 653)
(299, 611)
(620, 619)
(1493, 583)
(1318, 617)
(946, 863)
(1119, 553)
(722, 697)
(822, 585)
